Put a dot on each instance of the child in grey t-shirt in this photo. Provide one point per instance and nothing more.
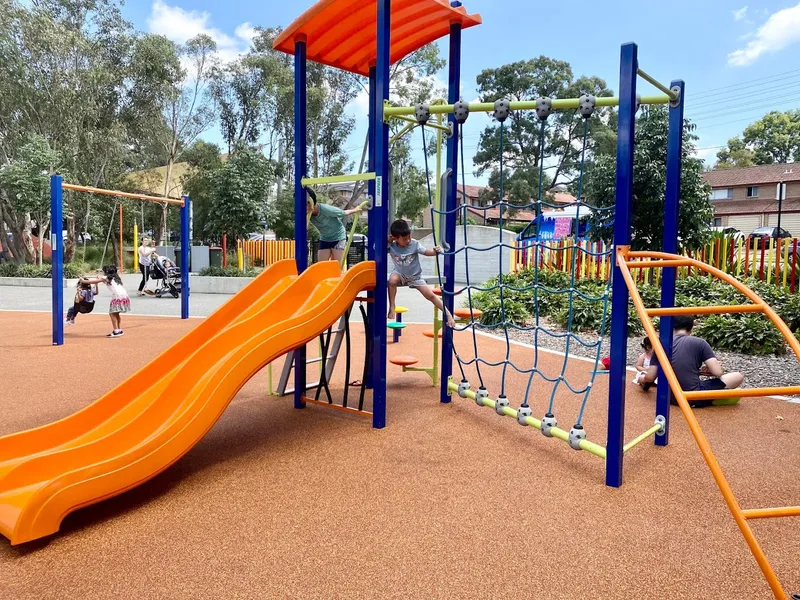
(406, 269)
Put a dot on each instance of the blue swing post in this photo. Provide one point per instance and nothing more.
(622, 237)
(300, 225)
(670, 244)
(451, 203)
(186, 243)
(57, 260)
(372, 217)
(380, 211)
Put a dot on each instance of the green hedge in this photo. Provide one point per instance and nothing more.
(12, 269)
(230, 271)
(744, 333)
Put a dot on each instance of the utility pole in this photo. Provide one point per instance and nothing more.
(781, 198)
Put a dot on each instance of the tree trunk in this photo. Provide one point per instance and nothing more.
(162, 226)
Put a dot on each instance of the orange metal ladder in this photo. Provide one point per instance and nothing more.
(627, 260)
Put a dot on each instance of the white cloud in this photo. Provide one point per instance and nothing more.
(740, 14)
(781, 30)
(245, 32)
(180, 25)
(705, 154)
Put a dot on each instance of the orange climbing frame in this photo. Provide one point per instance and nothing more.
(627, 260)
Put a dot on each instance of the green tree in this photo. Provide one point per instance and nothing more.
(76, 73)
(774, 138)
(204, 160)
(26, 187)
(735, 154)
(650, 157)
(529, 80)
(239, 193)
(188, 110)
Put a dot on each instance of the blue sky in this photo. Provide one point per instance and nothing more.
(711, 44)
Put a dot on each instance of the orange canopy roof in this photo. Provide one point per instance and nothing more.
(342, 33)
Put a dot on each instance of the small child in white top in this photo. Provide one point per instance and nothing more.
(120, 301)
(407, 270)
(643, 363)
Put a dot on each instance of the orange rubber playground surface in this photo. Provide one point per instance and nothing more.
(449, 501)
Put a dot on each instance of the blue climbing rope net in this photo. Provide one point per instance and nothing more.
(504, 284)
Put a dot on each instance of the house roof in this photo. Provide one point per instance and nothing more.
(523, 216)
(472, 191)
(343, 33)
(753, 175)
(564, 198)
(749, 207)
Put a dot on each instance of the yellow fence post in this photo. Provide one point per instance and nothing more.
(135, 246)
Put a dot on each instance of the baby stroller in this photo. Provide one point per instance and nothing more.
(164, 270)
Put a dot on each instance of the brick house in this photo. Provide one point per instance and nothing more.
(747, 198)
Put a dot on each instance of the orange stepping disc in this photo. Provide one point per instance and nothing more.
(429, 334)
(403, 361)
(464, 313)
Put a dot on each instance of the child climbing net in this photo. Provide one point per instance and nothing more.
(548, 424)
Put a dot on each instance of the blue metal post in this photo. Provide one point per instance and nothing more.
(451, 202)
(186, 244)
(57, 253)
(670, 244)
(300, 226)
(372, 217)
(622, 237)
(381, 213)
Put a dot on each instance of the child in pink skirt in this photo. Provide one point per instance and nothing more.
(120, 301)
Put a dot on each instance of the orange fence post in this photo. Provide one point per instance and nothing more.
(224, 250)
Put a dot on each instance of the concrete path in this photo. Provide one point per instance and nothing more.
(200, 305)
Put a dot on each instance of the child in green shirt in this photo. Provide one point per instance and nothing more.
(328, 221)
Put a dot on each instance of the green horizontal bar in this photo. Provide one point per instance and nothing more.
(436, 109)
(586, 445)
(338, 178)
(652, 81)
(638, 440)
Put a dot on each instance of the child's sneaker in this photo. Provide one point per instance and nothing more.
(115, 333)
(68, 322)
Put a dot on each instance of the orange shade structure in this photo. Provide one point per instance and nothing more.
(343, 33)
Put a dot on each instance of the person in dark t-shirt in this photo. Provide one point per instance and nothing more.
(692, 357)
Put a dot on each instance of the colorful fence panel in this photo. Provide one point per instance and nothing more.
(771, 260)
(263, 253)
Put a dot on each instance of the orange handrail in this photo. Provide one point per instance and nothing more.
(623, 255)
(704, 310)
(769, 513)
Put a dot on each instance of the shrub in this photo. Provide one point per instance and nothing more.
(493, 312)
(230, 271)
(12, 269)
(744, 333)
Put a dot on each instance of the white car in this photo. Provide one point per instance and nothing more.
(730, 232)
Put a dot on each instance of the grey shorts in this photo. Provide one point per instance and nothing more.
(337, 245)
(411, 282)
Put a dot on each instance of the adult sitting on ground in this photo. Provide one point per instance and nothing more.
(692, 357)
